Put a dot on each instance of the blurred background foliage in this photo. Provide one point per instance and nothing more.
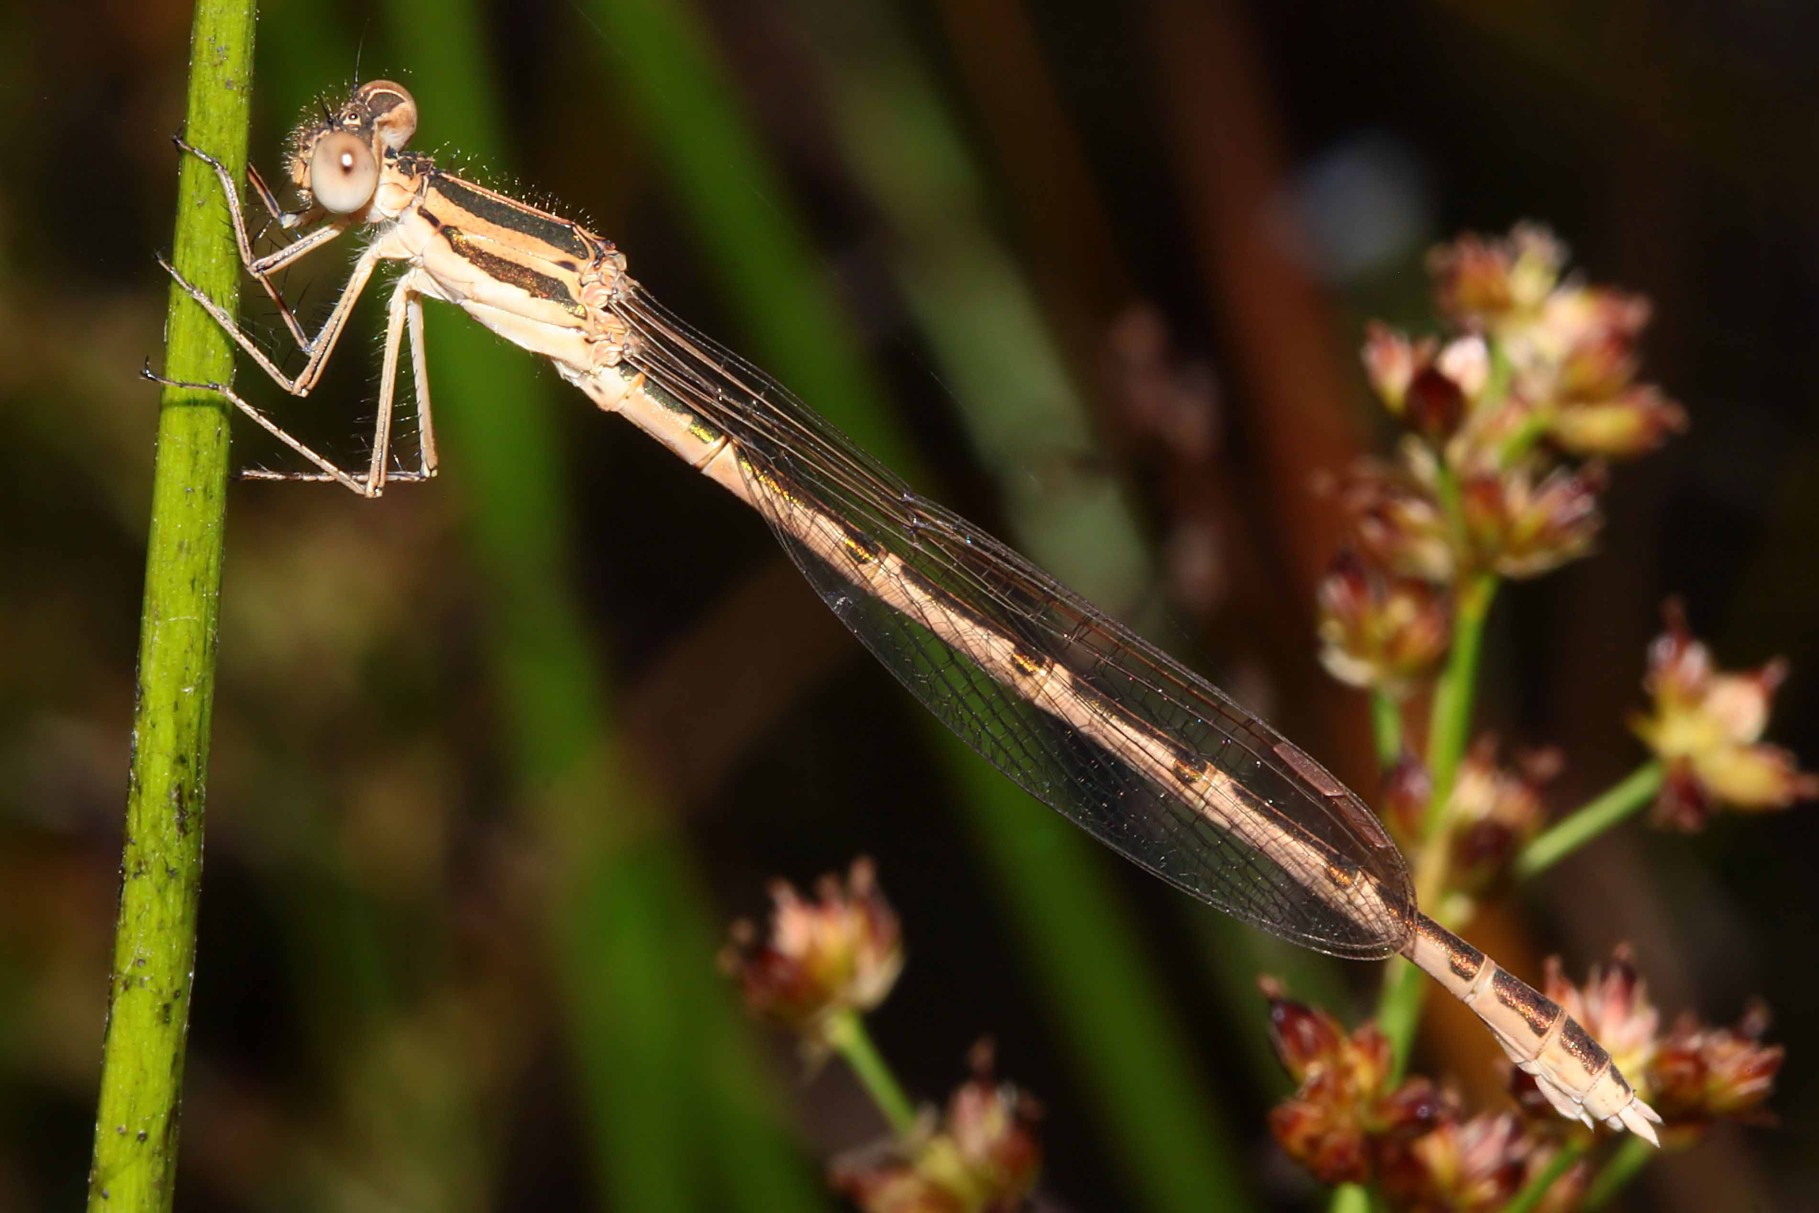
(495, 759)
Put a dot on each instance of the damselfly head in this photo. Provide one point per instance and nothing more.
(336, 159)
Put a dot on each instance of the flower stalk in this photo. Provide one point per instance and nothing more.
(1624, 1165)
(1455, 692)
(1621, 802)
(845, 1033)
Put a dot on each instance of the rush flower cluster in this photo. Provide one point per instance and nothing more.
(1349, 1122)
(823, 964)
(982, 1155)
(1510, 418)
(841, 951)
(1707, 726)
(1493, 811)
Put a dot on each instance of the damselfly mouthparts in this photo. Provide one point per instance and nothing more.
(1111, 732)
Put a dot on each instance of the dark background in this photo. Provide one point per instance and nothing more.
(1094, 276)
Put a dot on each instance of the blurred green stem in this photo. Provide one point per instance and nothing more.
(847, 1034)
(1623, 1166)
(1451, 724)
(1616, 805)
(1453, 695)
(1536, 1189)
(134, 1166)
(1351, 1198)
(1397, 1012)
(1386, 729)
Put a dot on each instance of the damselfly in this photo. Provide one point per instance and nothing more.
(1114, 734)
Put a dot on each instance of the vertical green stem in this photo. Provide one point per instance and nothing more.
(1397, 1011)
(1350, 1198)
(849, 1038)
(1403, 992)
(1535, 1191)
(1574, 831)
(1453, 694)
(1386, 729)
(1624, 1165)
(134, 1165)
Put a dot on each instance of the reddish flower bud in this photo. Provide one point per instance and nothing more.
(1476, 1166)
(1390, 361)
(982, 1158)
(1707, 727)
(1430, 387)
(1435, 405)
(1521, 528)
(1487, 283)
(1344, 1106)
(1396, 518)
(1408, 792)
(1379, 631)
(1703, 1074)
(841, 952)
(1495, 811)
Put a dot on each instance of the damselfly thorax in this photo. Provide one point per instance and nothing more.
(1111, 732)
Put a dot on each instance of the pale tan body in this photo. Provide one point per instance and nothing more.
(551, 287)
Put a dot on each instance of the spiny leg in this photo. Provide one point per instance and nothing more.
(404, 316)
(329, 470)
(318, 348)
(404, 312)
(262, 268)
(426, 433)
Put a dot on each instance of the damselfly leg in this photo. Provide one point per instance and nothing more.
(404, 315)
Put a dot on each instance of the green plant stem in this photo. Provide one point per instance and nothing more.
(1400, 1006)
(1574, 831)
(1398, 1010)
(136, 1122)
(847, 1034)
(1454, 694)
(1386, 729)
(1536, 1189)
(1532, 429)
(1350, 1198)
(1623, 1166)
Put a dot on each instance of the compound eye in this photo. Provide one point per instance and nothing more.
(342, 173)
(393, 110)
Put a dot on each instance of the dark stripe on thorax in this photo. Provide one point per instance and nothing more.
(504, 269)
(561, 237)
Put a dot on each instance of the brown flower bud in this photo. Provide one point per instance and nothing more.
(1702, 1074)
(1495, 811)
(1521, 528)
(983, 1157)
(1379, 631)
(1486, 283)
(1476, 1166)
(1707, 727)
(1344, 1107)
(1408, 793)
(840, 952)
(1396, 519)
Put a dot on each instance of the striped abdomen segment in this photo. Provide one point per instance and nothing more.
(1572, 1070)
